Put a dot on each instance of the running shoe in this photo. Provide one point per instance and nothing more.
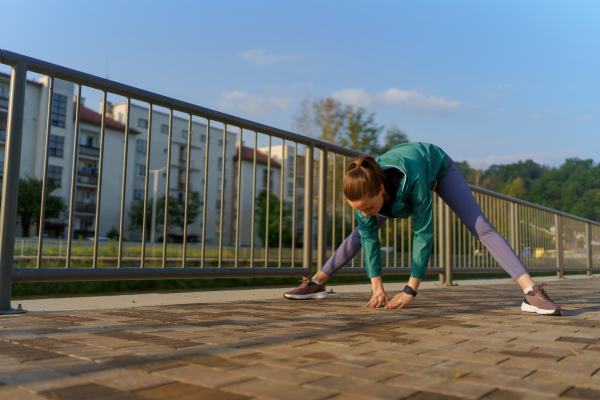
(538, 301)
(307, 290)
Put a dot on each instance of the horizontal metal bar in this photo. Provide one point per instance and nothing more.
(118, 274)
(528, 204)
(384, 271)
(71, 75)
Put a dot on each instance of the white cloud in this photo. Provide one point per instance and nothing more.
(260, 58)
(254, 104)
(536, 117)
(587, 117)
(413, 100)
(234, 94)
(356, 97)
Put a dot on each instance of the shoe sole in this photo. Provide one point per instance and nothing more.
(318, 295)
(533, 309)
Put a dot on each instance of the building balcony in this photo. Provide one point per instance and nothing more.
(89, 151)
(88, 180)
(87, 208)
(3, 102)
(2, 135)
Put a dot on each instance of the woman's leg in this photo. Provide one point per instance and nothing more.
(455, 192)
(342, 256)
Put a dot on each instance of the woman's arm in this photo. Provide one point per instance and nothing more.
(404, 299)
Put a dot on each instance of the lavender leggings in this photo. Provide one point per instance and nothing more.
(453, 189)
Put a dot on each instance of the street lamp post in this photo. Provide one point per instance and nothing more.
(155, 172)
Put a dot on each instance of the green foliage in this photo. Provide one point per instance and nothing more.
(574, 187)
(176, 212)
(274, 208)
(30, 200)
(347, 126)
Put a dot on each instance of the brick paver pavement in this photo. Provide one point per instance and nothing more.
(451, 343)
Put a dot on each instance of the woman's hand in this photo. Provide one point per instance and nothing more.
(400, 301)
(379, 298)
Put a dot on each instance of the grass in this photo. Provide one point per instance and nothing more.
(66, 289)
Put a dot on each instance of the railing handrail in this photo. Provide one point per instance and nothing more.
(528, 204)
(96, 82)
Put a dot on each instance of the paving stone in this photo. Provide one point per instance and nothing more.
(90, 391)
(363, 388)
(278, 390)
(442, 386)
(203, 376)
(185, 391)
(433, 396)
(503, 394)
(124, 379)
(289, 375)
(10, 393)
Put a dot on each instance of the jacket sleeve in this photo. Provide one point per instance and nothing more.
(369, 239)
(422, 207)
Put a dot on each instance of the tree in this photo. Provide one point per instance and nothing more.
(345, 125)
(176, 212)
(393, 137)
(516, 189)
(261, 220)
(361, 132)
(30, 203)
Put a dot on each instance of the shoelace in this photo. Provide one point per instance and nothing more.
(543, 293)
(305, 281)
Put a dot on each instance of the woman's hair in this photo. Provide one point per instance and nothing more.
(364, 178)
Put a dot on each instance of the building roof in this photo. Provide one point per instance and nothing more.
(92, 117)
(261, 158)
(32, 81)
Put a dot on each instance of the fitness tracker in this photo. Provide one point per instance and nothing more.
(409, 290)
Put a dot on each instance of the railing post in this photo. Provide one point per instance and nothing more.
(441, 243)
(560, 273)
(448, 253)
(308, 208)
(588, 239)
(10, 186)
(322, 218)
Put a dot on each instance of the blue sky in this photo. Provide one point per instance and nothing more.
(489, 82)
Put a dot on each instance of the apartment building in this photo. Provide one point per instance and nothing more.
(60, 162)
(284, 155)
(198, 150)
(262, 183)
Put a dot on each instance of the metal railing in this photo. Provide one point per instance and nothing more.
(545, 239)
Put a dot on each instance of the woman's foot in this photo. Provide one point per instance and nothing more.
(538, 301)
(307, 290)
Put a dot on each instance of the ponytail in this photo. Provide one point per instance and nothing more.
(364, 178)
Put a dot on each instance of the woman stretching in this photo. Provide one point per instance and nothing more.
(398, 184)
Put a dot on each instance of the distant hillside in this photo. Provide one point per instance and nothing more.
(574, 187)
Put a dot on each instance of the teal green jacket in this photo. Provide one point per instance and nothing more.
(422, 164)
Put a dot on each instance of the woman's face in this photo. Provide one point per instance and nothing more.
(369, 205)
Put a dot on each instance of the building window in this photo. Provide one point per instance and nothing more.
(59, 110)
(55, 175)
(265, 177)
(290, 167)
(184, 133)
(164, 128)
(57, 144)
(2, 168)
(219, 184)
(220, 142)
(218, 204)
(142, 123)
(138, 194)
(203, 138)
(220, 162)
(290, 191)
(141, 146)
(217, 227)
(140, 170)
